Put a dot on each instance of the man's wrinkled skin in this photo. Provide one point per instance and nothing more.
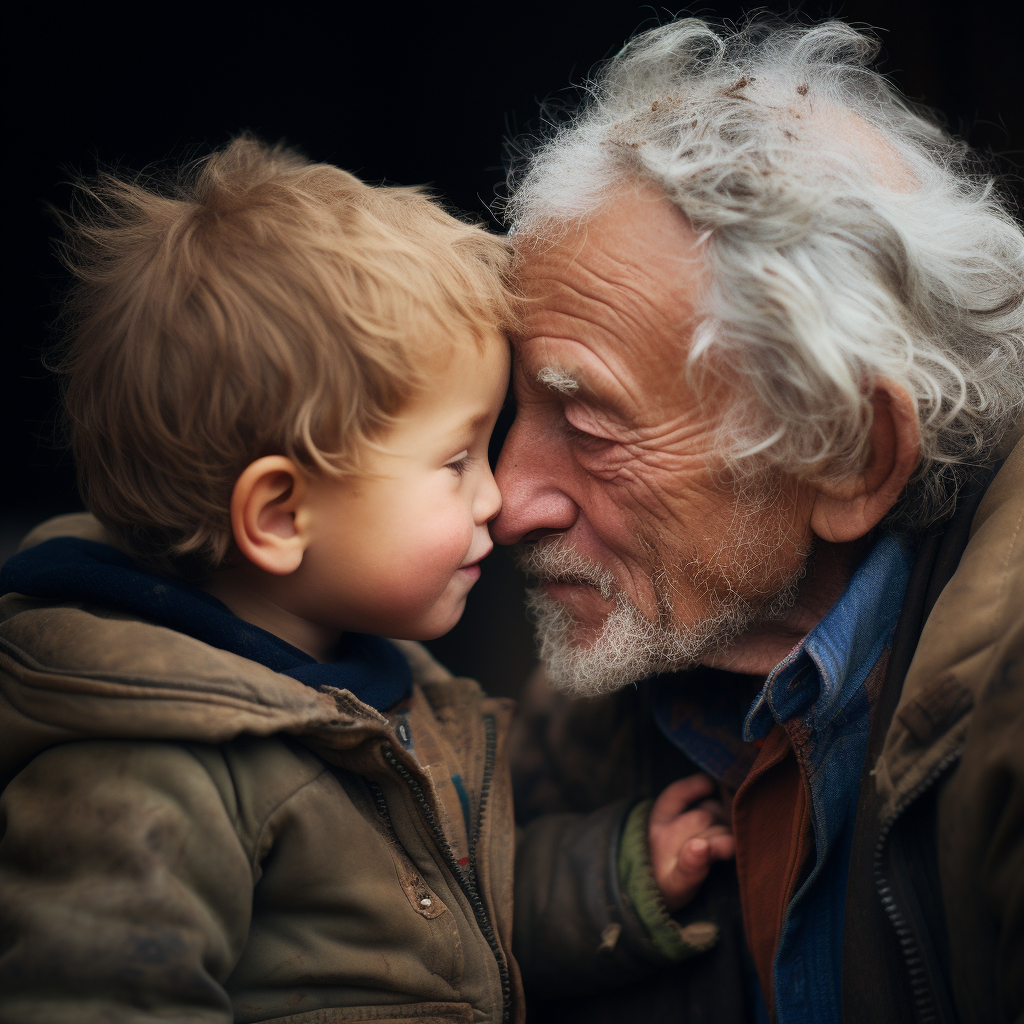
(612, 448)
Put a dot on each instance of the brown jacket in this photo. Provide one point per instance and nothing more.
(935, 897)
(191, 836)
(935, 902)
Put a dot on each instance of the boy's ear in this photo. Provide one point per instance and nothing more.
(266, 519)
(849, 509)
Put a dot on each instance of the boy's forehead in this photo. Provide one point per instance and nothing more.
(465, 385)
(459, 352)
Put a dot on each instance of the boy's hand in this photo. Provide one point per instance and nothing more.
(687, 831)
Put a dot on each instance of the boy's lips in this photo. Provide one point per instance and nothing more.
(472, 569)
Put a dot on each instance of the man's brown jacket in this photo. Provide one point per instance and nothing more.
(935, 897)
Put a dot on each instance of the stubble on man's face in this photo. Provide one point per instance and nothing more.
(746, 583)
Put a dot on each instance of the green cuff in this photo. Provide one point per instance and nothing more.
(636, 882)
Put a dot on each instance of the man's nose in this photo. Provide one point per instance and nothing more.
(532, 502)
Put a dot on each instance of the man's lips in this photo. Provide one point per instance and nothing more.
(573, 592)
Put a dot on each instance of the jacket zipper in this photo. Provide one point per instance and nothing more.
(923, 997)
(382, 807)
(465, 878)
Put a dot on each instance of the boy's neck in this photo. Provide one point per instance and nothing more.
(241, 592)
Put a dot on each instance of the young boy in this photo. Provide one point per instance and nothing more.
(227, 797)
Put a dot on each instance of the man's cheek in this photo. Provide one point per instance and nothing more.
(650, 498)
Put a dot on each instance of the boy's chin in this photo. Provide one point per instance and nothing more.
(433, 627)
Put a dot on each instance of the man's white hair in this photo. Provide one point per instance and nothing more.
(847, 238)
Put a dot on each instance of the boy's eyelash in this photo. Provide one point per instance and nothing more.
(460, 465)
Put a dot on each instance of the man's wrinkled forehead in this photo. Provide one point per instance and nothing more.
(610, 303)
(635, 256)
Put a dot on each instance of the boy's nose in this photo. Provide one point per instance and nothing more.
(488, 499)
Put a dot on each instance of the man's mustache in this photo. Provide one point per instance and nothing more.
(555, 560)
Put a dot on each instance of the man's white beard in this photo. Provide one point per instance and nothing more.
(629, 647)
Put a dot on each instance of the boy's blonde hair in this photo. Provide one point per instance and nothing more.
(259, 304)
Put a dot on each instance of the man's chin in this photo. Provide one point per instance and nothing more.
(597, 655)
(594, 640)
(587, 659)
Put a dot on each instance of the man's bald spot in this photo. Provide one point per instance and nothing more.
(810, 118)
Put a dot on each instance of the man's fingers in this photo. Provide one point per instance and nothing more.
(679, 795)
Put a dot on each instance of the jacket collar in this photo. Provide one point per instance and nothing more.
(77, 569)
(74, 670)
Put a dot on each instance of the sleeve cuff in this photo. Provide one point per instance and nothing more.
(673, 940)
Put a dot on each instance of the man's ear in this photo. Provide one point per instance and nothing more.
(266, 520)
(849, 509)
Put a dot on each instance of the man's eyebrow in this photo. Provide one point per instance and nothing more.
(557, 379)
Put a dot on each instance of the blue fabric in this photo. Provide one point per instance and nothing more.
(72, 569)
(702, 713)
(817, 694)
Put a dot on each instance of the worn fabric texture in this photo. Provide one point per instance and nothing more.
(935, 905)
(934, 922)
(191, 836)
(76, 569)
(570, 759)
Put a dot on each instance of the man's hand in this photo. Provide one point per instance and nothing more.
(687, 831)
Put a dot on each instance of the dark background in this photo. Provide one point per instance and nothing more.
(408, 94)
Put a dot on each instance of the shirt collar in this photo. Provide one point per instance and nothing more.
(820, 675)
(702, 712)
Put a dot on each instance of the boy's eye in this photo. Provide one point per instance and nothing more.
(460, 463)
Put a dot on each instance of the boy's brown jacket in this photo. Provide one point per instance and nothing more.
(190, 836)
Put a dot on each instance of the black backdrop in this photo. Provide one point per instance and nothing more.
(403, 93)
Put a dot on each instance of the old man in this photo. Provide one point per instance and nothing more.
(767, 388)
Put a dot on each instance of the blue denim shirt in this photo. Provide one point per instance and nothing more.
(818, 693)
